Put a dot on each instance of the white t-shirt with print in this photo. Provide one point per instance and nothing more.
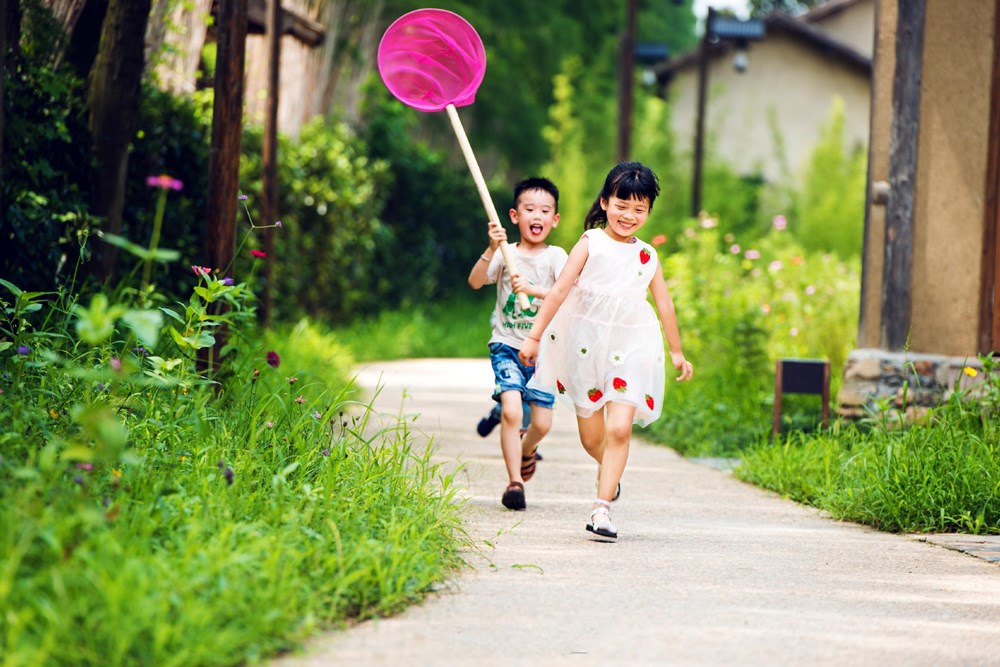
(511, 324)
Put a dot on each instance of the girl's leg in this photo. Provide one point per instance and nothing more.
(510, 433)
(541, 423)
(619, 435)
(592, 434)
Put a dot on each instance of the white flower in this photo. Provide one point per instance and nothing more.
(616, 358)
(582, 351)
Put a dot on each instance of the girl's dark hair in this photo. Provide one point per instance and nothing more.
(627, 180)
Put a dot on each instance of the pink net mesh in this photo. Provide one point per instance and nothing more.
(430, 58)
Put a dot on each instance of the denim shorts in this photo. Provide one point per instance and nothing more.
(511, 375)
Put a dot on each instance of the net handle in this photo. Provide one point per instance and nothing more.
(484, 194)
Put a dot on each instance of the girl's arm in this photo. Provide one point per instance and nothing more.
(668, 320)
(478, 275)
(553, 299)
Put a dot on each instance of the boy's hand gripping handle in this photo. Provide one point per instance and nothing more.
(484, 194)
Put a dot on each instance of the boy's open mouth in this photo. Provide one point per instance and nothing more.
(536, 229)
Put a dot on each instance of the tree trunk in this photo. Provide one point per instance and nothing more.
(81, 52)
(227, 132)
(269, 202)
(113, 104)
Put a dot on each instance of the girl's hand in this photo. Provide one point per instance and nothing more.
(528, 352)
(682, 365)
(497, 233)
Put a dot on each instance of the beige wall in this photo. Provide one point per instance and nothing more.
(853, 26)
(951, 175)
(786, 79)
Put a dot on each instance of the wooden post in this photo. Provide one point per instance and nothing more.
(227, 132)
(626, 80)
(269, 200)
(699, 130)
(989, 301)
(778, 373)
(903, 143)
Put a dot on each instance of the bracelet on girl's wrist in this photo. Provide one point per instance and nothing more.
(537, 340)
(485, 258)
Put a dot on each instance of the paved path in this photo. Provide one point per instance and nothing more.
(707, 571)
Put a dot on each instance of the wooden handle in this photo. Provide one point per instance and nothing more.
(484, 194)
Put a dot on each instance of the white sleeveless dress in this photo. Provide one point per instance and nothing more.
(605, 342)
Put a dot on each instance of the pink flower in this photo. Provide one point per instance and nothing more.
(201, 270)
(775, 265)
(810, 290)
(752, 254)
(258, 253)
(735, 249)
(164, 182)
(793, 331)
(709, 223)
(658, 240)
(272, 358)
(780, 223)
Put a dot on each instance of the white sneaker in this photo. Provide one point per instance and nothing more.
(600, 523)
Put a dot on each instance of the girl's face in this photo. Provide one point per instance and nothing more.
(625, 216)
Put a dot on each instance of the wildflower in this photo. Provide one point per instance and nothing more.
(228, 474)
(810, 290)
(272, 358)
(752, 254)
(317, 415)
(201, 270)
(53, 414)
(243, 197)
(23, 350)
(227, 281)
(690, 233)
(970, 371)
(116, 472)
(780, 223)
(793, 332)
(658, 240)
(729, 237)
(766, 308)
(278, 223)
(798, 259)
(141, 351)
(6, 375)
(78, 480)
(735, 249)
(709, 223)
(259, 254)
(775, 265)
(183, 459)
(325, 452)
(164, 182)
(269, 424)
(756, 273)
(291, 380)
(115, 363)
(299, 399)
(85, 466)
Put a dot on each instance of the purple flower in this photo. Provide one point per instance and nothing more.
(227, 281)
(326, 452)
(115, 363)
(243, 197)
(317, 415)
(228, 474)
(278, 223)
(78, 480)
(273, 360)
(141, 351)
(23, 350)
(85, 466)
(752, 254)
(780, 223)
(164, 182)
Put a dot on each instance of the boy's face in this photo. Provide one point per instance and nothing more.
(535, 216)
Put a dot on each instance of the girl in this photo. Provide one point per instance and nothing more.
(604, 349)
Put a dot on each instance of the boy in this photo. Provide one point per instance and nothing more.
(535, 214)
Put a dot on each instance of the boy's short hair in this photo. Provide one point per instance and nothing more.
(536, 183)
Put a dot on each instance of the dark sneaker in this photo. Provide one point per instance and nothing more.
(489, 422)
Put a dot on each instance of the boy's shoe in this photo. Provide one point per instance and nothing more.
(489, 422)
(513, 497)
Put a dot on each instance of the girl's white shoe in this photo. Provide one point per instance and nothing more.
(600, 521)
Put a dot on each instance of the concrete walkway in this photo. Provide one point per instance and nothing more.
(707, 570)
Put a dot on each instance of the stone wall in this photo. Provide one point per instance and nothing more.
(876, 379)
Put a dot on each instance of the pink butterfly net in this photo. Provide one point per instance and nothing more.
(430, 58)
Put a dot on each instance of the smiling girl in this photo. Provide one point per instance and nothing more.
(601, 341)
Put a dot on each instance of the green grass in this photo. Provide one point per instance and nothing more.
(151, 517)
(942, 474)
(458, 327)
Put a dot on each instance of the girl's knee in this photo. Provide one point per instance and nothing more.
(619, 434)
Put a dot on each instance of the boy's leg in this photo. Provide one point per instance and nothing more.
(510, 433)
(539, 427)
(489, 422)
